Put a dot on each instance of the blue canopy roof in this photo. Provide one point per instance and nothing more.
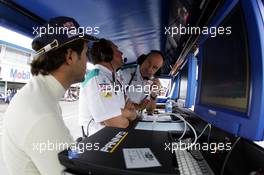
(136, 26)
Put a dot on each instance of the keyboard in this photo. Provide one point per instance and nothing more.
(192, 162)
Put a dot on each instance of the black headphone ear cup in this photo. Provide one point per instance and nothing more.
(141, 59)
(107, 54)
(158, 73)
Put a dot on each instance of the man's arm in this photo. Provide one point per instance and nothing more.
(118, 122)
(122, 121)
(129, 114)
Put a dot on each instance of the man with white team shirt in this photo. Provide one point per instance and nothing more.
(100, 103)
(141, 86)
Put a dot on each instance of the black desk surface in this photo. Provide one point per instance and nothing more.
(99, 162)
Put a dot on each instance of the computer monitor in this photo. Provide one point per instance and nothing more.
(175, 87)
(187, 82)
(183, 82)
(231, 71)
(166, 85)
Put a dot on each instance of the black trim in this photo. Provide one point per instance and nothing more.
(23, 11)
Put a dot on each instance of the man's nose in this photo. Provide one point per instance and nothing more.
(150, 71)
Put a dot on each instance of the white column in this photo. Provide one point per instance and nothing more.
(2, 53)
(5, 90)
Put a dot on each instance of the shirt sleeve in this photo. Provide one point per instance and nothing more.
(102, 100)
(43, 144)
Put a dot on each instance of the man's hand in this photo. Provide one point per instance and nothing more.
(151, 106)
(129, 105)
(129, 111)
(142, 105)
(129, 114)
(155, 88)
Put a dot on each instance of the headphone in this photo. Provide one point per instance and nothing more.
(102, 51)
(141, 59)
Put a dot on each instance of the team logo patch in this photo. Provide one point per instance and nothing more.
(106, 94)
(105, 90)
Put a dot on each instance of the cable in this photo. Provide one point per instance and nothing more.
(228, 155)
(208, 138)
(174, 102)
(84, 135)
(181, 118)
(185, 126)
(208, 125)
(87, 129)
(89, 126)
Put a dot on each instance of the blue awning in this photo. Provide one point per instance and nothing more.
(136, 26)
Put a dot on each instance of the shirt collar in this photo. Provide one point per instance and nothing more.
(103, 68)
(139, 76)
(55, 87)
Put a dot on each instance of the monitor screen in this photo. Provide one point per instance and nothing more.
(165, 87)
(183, 82)
(225, 67)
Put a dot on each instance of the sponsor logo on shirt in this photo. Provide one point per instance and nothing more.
(105, 90)
(106, 94)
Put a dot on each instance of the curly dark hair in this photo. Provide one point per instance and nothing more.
(101, 51)
(53, 59)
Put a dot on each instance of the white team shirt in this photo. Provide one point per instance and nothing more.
(34, 117)
(140, 90)
(97, 100)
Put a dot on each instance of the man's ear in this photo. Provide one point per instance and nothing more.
(69, 56)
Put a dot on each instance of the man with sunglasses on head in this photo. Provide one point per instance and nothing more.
(33, 121)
